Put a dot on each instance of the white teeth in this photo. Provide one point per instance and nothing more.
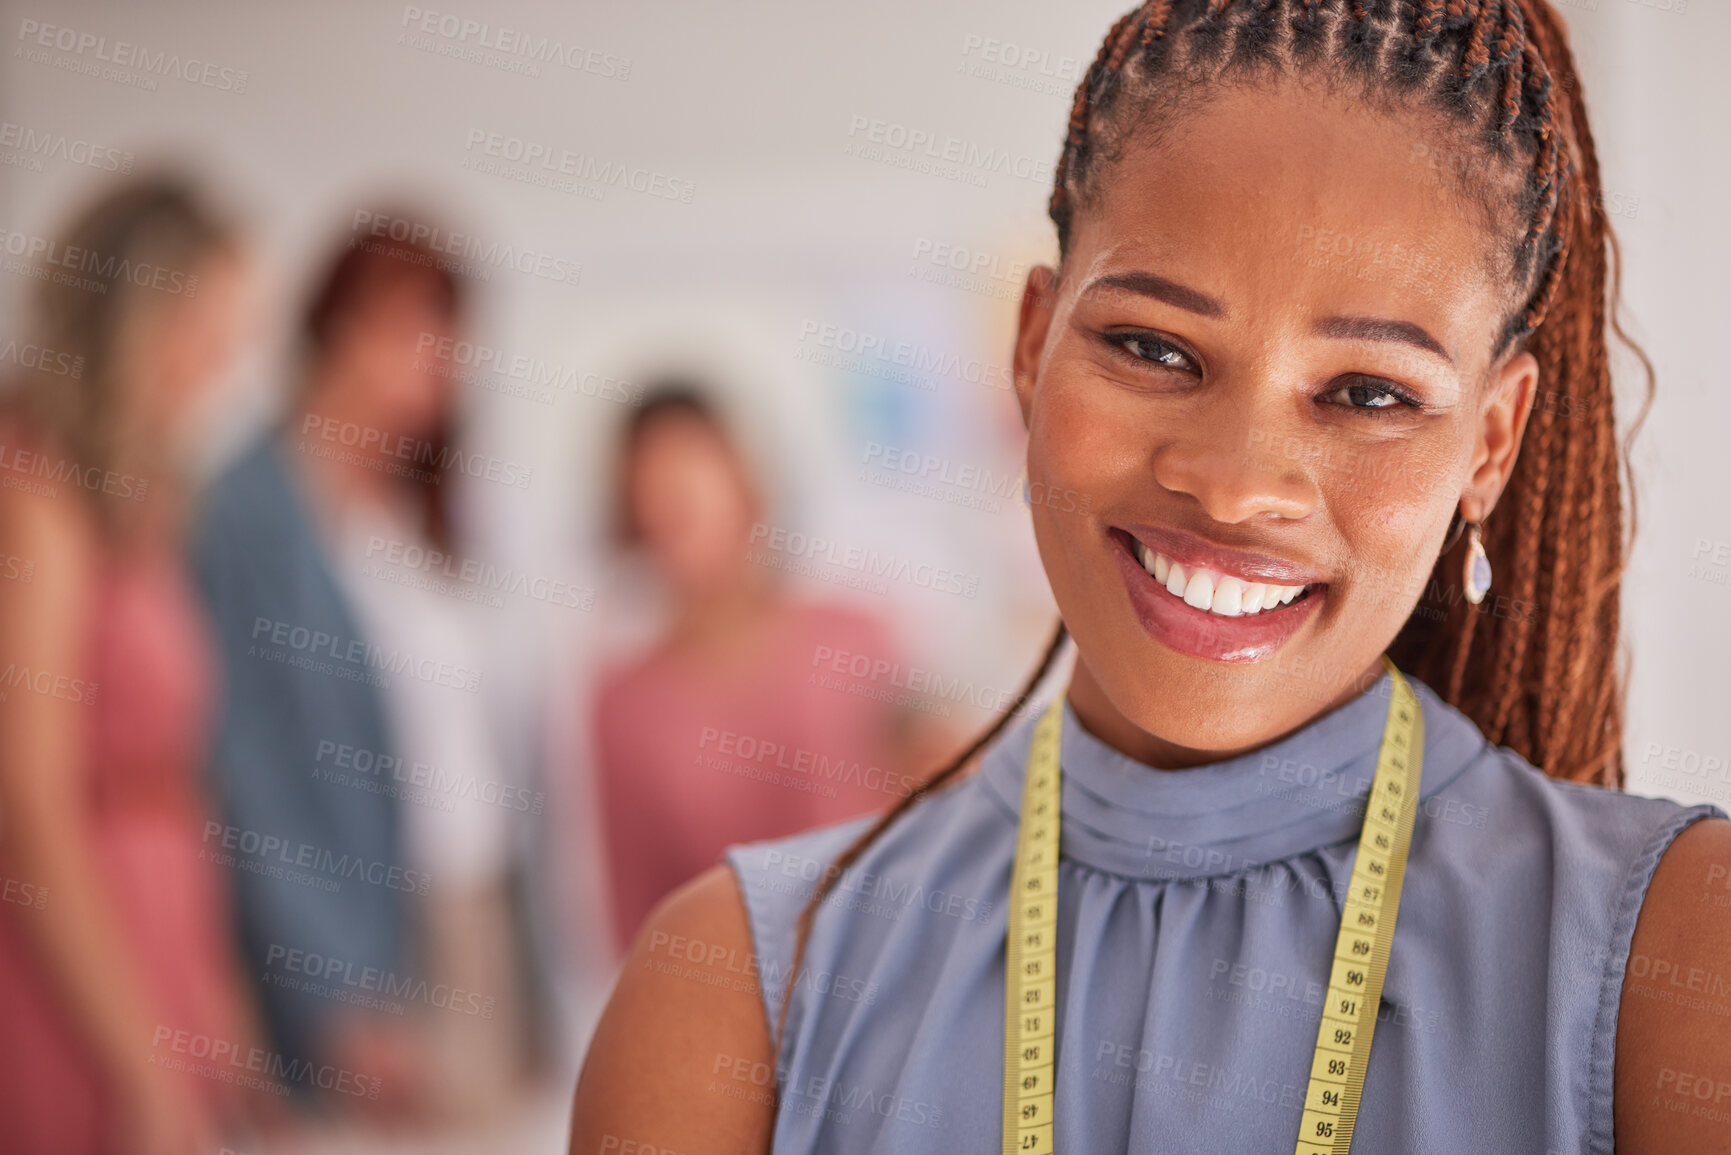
(1199, 590)
(1222, 594)
(1175, 579)
(1228, 597)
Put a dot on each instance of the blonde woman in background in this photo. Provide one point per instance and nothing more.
(121, 969)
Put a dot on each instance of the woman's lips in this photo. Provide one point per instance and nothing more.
(1202, 634)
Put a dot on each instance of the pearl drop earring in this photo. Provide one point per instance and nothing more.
(1476, 574)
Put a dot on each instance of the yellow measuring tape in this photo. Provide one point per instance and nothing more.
(1030, 987)
(1360, 950)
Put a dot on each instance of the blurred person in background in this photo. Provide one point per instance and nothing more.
(722, 731)
(399, 561)
(123, 946)
(380, 750)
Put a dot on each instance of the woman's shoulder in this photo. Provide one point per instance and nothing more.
(40, 529)
(1489, 788)
(959, 814)
(1674, 994)
(804, 855)
(1599, 847)
(936, 859)
(683, 1049)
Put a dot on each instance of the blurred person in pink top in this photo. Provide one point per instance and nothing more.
(725, 730)
(123, 1027)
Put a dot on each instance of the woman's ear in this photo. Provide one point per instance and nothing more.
(1039, 301)
(1502, 424)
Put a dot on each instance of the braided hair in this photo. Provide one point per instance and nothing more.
(1539, 677)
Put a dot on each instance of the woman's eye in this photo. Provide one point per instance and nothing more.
(1145, 347)
(1368, 395)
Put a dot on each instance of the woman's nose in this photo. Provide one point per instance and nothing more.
(1238, 464)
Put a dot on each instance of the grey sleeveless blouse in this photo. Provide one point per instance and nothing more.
(1197, 914)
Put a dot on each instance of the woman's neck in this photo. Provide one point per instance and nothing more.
(1106, 722)
(717, 622)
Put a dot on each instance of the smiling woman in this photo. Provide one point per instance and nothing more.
(1312, 790)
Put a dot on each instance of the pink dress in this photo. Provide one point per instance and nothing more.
(694, 758)
(150, 658)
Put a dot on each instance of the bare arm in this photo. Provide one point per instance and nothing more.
(44, 836)
(682, 1058)
(1673, 1069)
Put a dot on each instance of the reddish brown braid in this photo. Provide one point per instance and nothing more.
(1534, 665)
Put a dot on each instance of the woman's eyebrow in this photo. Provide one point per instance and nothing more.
(1145, 284)
(1161, 289)
(1378, 329)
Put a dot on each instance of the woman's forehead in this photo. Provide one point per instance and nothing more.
(1286, 198)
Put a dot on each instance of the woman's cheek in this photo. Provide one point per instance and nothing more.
(1077, 434)
(1409, 500)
